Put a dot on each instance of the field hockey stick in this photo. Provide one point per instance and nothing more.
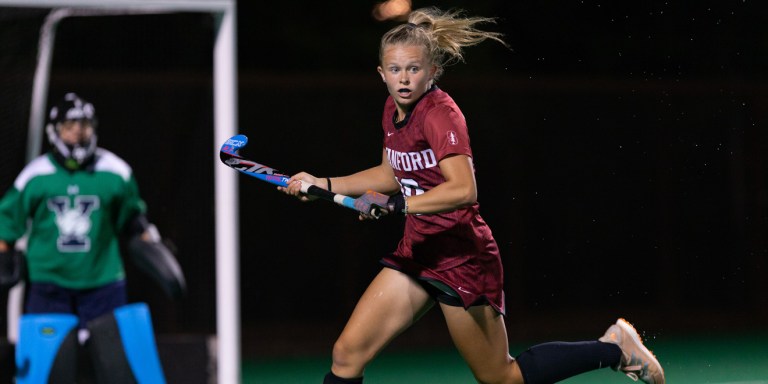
(229, 155)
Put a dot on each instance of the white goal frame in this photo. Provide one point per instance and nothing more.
(225, 126)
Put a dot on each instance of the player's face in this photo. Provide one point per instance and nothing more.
(408, 72)
(75, 131)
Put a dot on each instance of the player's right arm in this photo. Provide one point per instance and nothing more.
(11, 228)
(380, 178)
(12, 217)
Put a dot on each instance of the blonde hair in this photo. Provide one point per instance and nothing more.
(443, 34)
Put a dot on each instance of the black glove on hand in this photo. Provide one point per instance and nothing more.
(376, 204)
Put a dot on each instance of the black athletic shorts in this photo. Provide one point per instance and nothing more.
(441, 292)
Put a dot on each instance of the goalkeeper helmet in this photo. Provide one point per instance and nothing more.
(73, 153)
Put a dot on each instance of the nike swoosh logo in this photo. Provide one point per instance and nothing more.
(390, 134)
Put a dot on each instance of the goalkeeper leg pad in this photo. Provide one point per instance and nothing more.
(47, 349)
(122, 347)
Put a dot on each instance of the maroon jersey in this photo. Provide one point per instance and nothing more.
(457, 247)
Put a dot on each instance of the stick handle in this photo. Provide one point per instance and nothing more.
(313, 190)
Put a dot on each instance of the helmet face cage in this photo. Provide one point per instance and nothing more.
(72, 108)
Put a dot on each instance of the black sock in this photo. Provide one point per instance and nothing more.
(552, 362)
(330, 378)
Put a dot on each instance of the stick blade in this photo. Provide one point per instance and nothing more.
(234, 144)
(230, 156)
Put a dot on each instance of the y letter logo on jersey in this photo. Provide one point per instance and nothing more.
(74, 222)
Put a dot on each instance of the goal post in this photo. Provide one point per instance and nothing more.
(225, 111)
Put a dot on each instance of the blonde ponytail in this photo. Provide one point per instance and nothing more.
(443, 34)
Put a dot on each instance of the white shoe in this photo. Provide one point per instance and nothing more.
(637, 361)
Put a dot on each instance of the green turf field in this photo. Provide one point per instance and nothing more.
(686, 360)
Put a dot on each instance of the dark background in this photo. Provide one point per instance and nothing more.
(620, 153)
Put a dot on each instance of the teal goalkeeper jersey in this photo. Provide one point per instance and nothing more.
(74, 219)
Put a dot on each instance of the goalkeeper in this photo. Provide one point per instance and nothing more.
(75, 203)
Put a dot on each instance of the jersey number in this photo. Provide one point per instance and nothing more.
(410, 187)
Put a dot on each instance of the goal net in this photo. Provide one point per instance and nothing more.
(161, 75)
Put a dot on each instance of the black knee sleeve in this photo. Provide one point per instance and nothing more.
(552, 362)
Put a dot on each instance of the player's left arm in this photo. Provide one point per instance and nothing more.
(446, 131)
(146, 248)
(459, 189)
